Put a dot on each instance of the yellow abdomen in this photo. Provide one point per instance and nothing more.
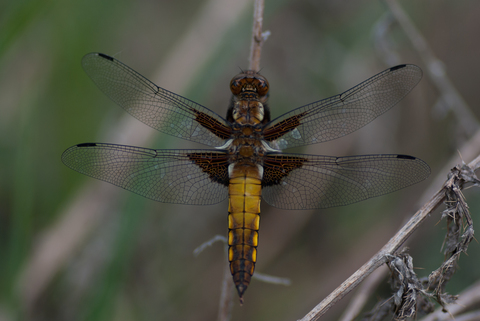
(245, 190)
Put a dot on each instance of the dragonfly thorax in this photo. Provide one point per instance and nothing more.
(248, 112)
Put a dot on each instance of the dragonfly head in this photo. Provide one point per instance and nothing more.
(249, 81)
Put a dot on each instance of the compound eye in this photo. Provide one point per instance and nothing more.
(262, 87)
(236, 85)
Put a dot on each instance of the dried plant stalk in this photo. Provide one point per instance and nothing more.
(458, 176)
(258, 37)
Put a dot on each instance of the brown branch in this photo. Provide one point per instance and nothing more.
(363, 293)
(377, 260)
(389, 249)
(227, 294)
(258, 37)
(466, 120)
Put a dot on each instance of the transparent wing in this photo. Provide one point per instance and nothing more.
(342, 114)
(158, 108)
(295, 181)
(198, 177)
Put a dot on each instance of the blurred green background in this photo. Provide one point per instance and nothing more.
(72, 248)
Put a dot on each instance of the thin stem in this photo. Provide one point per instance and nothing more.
(226, 296)
(257, 36)
(468, 122)
(381, 257)
(363, 293)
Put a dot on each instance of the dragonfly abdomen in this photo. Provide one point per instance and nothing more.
(243, 223)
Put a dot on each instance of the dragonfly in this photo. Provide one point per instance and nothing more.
(246, 162)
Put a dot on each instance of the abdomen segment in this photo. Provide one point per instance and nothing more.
(243, 223)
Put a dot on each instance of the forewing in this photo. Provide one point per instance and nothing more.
(158, 108)
(342, 114)
(198, 177)
(295, 181)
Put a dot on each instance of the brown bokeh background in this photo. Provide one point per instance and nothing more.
(72, 248)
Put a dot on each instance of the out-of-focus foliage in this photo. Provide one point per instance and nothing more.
(137, 263)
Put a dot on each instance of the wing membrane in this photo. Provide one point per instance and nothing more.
(342, 114)
(295, 181)
(170, 176)
(158, 108)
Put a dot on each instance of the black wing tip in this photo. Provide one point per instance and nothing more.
(69, 150)
(406, 157)
(427, 169)
(98, 54)
(398, 67)
(105, 56)
(86, 145)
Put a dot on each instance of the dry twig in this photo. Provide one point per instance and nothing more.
(258, 37)
(363, 294)
(460, 174)
(455, 202)
(227, 293)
